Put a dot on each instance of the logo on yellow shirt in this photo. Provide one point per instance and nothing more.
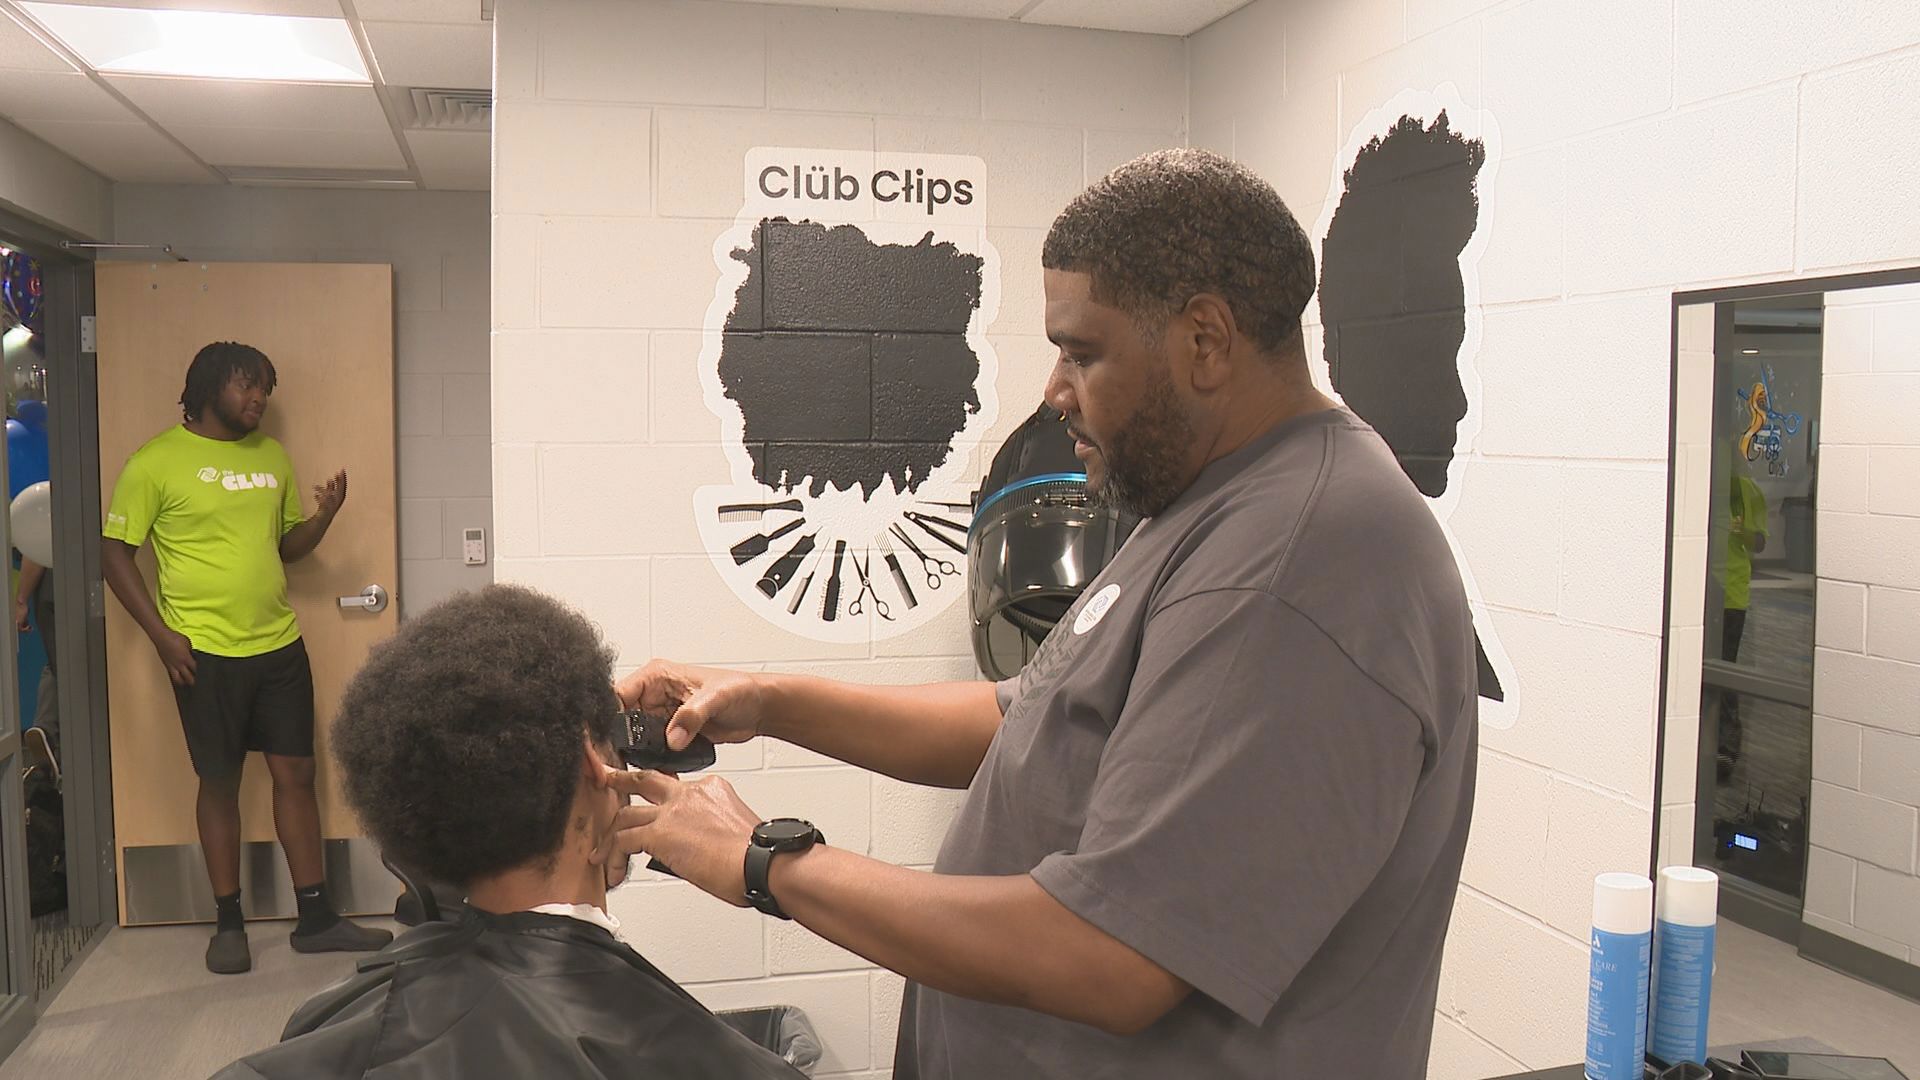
(234, 481)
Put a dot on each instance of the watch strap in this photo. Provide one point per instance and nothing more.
(759, 894)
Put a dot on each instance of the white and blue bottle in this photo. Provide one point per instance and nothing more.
(1622, 943)
(1683, 964)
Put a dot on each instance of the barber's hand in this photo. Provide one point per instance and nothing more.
(724, 706)
(176, 655)
(20, 619)
(699, 828)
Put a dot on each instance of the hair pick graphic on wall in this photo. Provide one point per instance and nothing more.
(1398, 309)
(845, 355)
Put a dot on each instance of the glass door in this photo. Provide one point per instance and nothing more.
(16, 936)
(1757, 662)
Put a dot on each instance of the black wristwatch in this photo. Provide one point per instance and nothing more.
(770, 838)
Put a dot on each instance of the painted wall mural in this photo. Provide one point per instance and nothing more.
(846, 359)
(1767, 429)
(1399, 242)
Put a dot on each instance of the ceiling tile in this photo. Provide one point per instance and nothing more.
(969, 9)
(22, 51)
(423, 54)
(292, 148)
(326, 9)
(419, 11)
(1176, 17)
(50, 95)
(240, 103)
(453, 160)
(129, 153)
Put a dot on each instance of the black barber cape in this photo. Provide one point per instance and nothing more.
(526, 995)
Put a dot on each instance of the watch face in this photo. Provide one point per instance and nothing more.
(782, 832)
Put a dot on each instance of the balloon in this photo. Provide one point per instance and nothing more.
(26, 370)
(20, 288)
(27, 460)
(33, 523)
(33, 413)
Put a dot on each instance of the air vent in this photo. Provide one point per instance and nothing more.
(423, 109)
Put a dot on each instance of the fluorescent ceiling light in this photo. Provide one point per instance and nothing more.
(1750, 352)
(205, 44)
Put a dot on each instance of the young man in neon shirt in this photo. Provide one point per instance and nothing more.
(220, 503)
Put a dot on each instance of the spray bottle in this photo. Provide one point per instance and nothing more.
(1622, 944)
(1683, 964)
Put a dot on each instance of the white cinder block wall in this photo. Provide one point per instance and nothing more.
(1645, 146)
(620, 137)
(437, 243)
(1866, 689)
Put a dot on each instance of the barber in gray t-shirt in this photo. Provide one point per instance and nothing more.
(1216, 825)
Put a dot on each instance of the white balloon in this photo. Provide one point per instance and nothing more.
(32, 522)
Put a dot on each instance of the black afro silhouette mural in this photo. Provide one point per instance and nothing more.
(849, 359)
(845, 355)
(1393, 301)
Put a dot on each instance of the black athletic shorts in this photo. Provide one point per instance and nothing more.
(242, 703)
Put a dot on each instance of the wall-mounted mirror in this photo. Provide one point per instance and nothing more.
(1790, 758)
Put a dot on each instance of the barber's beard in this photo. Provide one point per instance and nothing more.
(1145, 456)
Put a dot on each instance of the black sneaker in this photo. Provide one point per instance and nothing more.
(342, 936)
(227, 953)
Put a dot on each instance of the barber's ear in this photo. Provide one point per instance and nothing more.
(1210, 329)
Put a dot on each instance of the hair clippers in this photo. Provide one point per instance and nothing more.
(641, 740)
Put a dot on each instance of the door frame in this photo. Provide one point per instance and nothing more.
(67, 276)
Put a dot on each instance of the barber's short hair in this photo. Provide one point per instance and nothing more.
(460, 739)
(1169, 225)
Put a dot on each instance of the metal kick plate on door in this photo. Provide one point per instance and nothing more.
(167, 883)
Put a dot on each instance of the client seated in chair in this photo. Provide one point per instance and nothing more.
(470, 745)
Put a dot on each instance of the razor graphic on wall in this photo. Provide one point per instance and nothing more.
(1398, 309)
(846, 359)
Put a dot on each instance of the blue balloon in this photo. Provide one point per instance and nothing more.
(27, 459)
(33, 413)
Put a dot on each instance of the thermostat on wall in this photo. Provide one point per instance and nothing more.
(474, 546)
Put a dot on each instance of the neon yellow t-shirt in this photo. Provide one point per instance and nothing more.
(216, 511)
(1749, 515)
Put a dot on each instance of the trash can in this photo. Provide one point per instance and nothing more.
(1797, 515)
(783, 1029)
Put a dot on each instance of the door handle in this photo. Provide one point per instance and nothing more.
(373, 599)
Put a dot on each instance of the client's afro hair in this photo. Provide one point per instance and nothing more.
(460, 739)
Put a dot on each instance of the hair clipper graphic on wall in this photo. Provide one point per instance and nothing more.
(846, 357)
(1397, 313)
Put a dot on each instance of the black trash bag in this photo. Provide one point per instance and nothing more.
(783, 1029)
(46, 823)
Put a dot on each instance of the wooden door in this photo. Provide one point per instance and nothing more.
(328, 329)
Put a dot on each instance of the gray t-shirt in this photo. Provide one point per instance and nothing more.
(1248, 752)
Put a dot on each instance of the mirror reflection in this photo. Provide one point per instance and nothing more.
(1789, 746)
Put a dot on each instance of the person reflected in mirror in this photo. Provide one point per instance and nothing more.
(472, 744)
(1746, 537)
(218, 499)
